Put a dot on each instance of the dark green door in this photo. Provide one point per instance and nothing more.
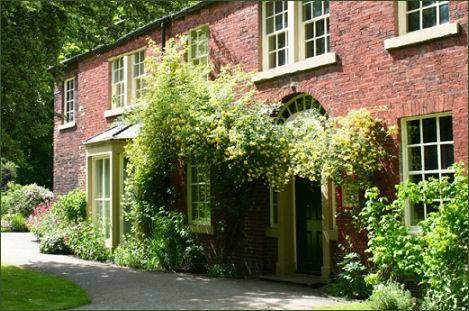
(308, 226)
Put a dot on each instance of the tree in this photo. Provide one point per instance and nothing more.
(36, 35)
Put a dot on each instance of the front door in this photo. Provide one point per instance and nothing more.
(308, 226)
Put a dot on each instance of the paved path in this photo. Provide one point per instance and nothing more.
(112, 287)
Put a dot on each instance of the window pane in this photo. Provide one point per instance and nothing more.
(427, 3)
(415, 178)
(278, 6)
(320, 27)
(194, 211)
(415, 159)
(307, 11)
(272, 60)
(326, 6)
(269, 10)
(309, 29)
(413, 132)
(413, 21)
(195, 193)
(429, 130)
(272, 43)
(444, 13)
(447, 156)
(98, 180)
(431, 176)
(106, 178)
(320, 46)
(317, 8)
(446, 128)
(418, 213)
(310, 49)
(282, 56)
(269, 25)
(431, 157)
(106, 219)
(432, 207)
(429, 17)
(450, 176)
(412, 5)
(278, 22)
(281, 40)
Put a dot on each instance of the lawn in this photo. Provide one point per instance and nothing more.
(24, 289)
(347, 306)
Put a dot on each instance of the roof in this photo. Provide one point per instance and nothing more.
(138, 32)
(120, 131)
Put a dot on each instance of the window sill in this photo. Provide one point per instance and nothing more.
(423, 35)
(118, 111)
(201, 228)
(67, 125)
(306, 64)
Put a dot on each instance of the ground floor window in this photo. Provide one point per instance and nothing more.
(274, 202)
(198, 194)
(428, 152)
(125, 223)
(101, 195)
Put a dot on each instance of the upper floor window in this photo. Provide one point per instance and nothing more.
(425, 14)
(198, 194)
(198, 45)
(294, 31)
(128, 84)
(315, 26)
(69, 100)
(276, 32)
(428, 150)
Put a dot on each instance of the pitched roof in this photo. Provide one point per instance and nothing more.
(120, 131)
(137, 32)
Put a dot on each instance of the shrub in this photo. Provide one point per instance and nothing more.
(351, 279)
(8, 173)
(23, 199)
(390, 296)
(86, 241)
(72, 206)
(134, 253)
(18, 223)
(195, 259)
(53, 244)
(223, 270)
(35, 220)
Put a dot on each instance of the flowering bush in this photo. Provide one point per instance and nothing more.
(23, 199)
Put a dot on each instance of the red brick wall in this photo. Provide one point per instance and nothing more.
(426, 78)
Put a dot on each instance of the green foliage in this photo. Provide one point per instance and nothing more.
(51, 31)
(86, 241)
(224, 270)
(8, 173)
(390, 296)
(17, 223)
(133, 252)
(72, 206)
(23, 199)
(53, 244)
(437, 255)
(350, 281)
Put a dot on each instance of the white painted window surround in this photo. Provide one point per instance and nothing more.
(421, 24)
(295, 37)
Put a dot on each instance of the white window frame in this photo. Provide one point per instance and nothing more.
(274, 204)
(119, 84)
(128, 83)
(69, 103)
(197, 40)
(405, 154)
(402, 16)
(138, 64)
(288, 36)
(302, 31)
(197, 221)
(97, 161)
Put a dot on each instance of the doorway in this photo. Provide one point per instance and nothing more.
(309, 249)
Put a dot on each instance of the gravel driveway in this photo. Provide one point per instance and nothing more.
(112, 287)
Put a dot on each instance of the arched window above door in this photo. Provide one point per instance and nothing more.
(297, 104)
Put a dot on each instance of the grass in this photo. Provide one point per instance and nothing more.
(24, 289)
(347, 306)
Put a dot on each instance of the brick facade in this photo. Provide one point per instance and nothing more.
(421, 79)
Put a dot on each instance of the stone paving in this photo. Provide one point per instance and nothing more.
(113, 287)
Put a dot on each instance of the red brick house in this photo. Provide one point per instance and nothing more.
(406, 62)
